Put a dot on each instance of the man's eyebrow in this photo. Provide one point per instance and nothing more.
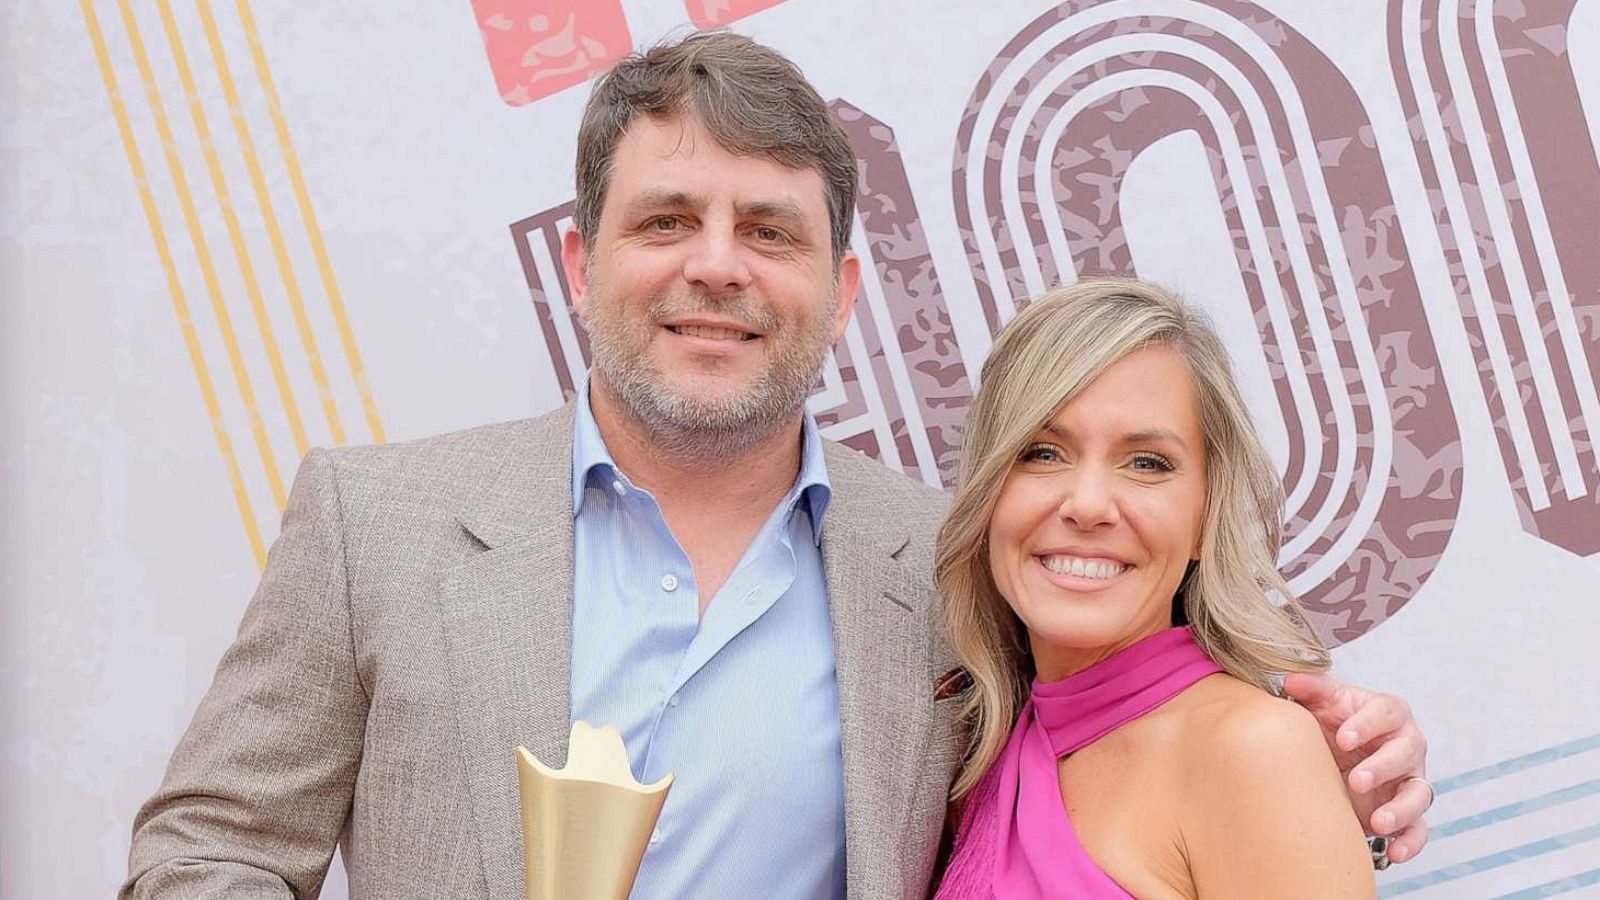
(1144, 436)
(661, 198)
(782, 210)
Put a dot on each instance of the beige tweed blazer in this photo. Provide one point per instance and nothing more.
(413, 626)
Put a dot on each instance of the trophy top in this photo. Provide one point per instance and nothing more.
(594, 755)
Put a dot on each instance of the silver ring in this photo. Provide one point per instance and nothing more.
(1425, 783)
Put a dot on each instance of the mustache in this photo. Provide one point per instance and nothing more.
(737, 306)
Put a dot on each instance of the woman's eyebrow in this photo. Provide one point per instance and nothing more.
(1142, 436)
(1150, 435)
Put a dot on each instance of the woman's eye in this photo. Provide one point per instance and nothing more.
(1152, 462)
(1039, 453)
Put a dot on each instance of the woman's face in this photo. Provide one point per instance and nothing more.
(1101, 514)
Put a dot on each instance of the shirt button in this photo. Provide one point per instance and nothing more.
(619, 487)
(669, 582)
(673, 700)
(655, 837)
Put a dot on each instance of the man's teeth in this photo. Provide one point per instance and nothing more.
(711, 333)
(1084, 568)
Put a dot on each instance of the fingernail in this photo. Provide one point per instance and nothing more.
(1350, 738)
(1363, 781)
(1397, 854)
(1384, 823)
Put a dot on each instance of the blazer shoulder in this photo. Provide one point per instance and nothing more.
(873, 482)
(457, 458)
(387, 486)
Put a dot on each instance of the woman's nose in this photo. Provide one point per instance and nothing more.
(1087, 500)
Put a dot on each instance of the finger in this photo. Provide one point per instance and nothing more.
(1403, 811)
(1381, 715)
(1313, 690)
(1398, 757)
(1407, 844)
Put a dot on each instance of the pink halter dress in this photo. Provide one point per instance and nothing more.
(1016, 841)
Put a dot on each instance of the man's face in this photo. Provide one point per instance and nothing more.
(710, 294)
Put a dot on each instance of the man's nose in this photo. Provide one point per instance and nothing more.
(716, 262)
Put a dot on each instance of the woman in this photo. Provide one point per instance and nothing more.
(1109, 571)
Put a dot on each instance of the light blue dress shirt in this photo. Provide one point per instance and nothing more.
(741, 706)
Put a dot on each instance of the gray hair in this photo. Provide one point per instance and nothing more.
(752, 99)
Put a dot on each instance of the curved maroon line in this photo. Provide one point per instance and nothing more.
(1153, 116)
(1531, 39)
(1422, 490)
(1569, 522)
(856, 394)
(1322, 409)
(1398, 552)
(1454, 261)
(1151, 119)
(1522, 235)
(1163, 112)
(855, 402)
(958, 176)
(1523, 389)
(903, 263)
(894, 413)
(1152, 112)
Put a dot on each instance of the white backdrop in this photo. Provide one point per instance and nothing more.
(179, 317)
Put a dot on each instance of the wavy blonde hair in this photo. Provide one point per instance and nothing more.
(1044, 358)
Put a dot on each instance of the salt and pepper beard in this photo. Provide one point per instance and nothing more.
(701, 429)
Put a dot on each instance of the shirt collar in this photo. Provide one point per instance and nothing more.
(589, 451)
(589, 454)
(812, 487)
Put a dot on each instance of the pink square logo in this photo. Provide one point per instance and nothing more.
(716, 13)
(537, 48)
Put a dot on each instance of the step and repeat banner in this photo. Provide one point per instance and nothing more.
(236, 230)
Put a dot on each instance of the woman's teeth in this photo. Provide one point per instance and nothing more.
(1083, 568)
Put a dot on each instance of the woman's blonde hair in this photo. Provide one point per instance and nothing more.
(1049, 353)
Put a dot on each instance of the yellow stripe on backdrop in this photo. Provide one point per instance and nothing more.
(254, 287)
(269, 217)
(303, 199)
(208, 269)
(174, 286)
(247, 269)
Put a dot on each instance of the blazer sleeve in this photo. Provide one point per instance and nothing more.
(261, 784)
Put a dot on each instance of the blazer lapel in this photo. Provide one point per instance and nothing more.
(507, 616)
(881, 655)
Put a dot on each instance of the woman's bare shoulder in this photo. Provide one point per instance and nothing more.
(1224, 718)
(1259, 773)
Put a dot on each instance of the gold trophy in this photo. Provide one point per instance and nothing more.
(585, 827)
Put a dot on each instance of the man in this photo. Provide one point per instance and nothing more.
(677, 553)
